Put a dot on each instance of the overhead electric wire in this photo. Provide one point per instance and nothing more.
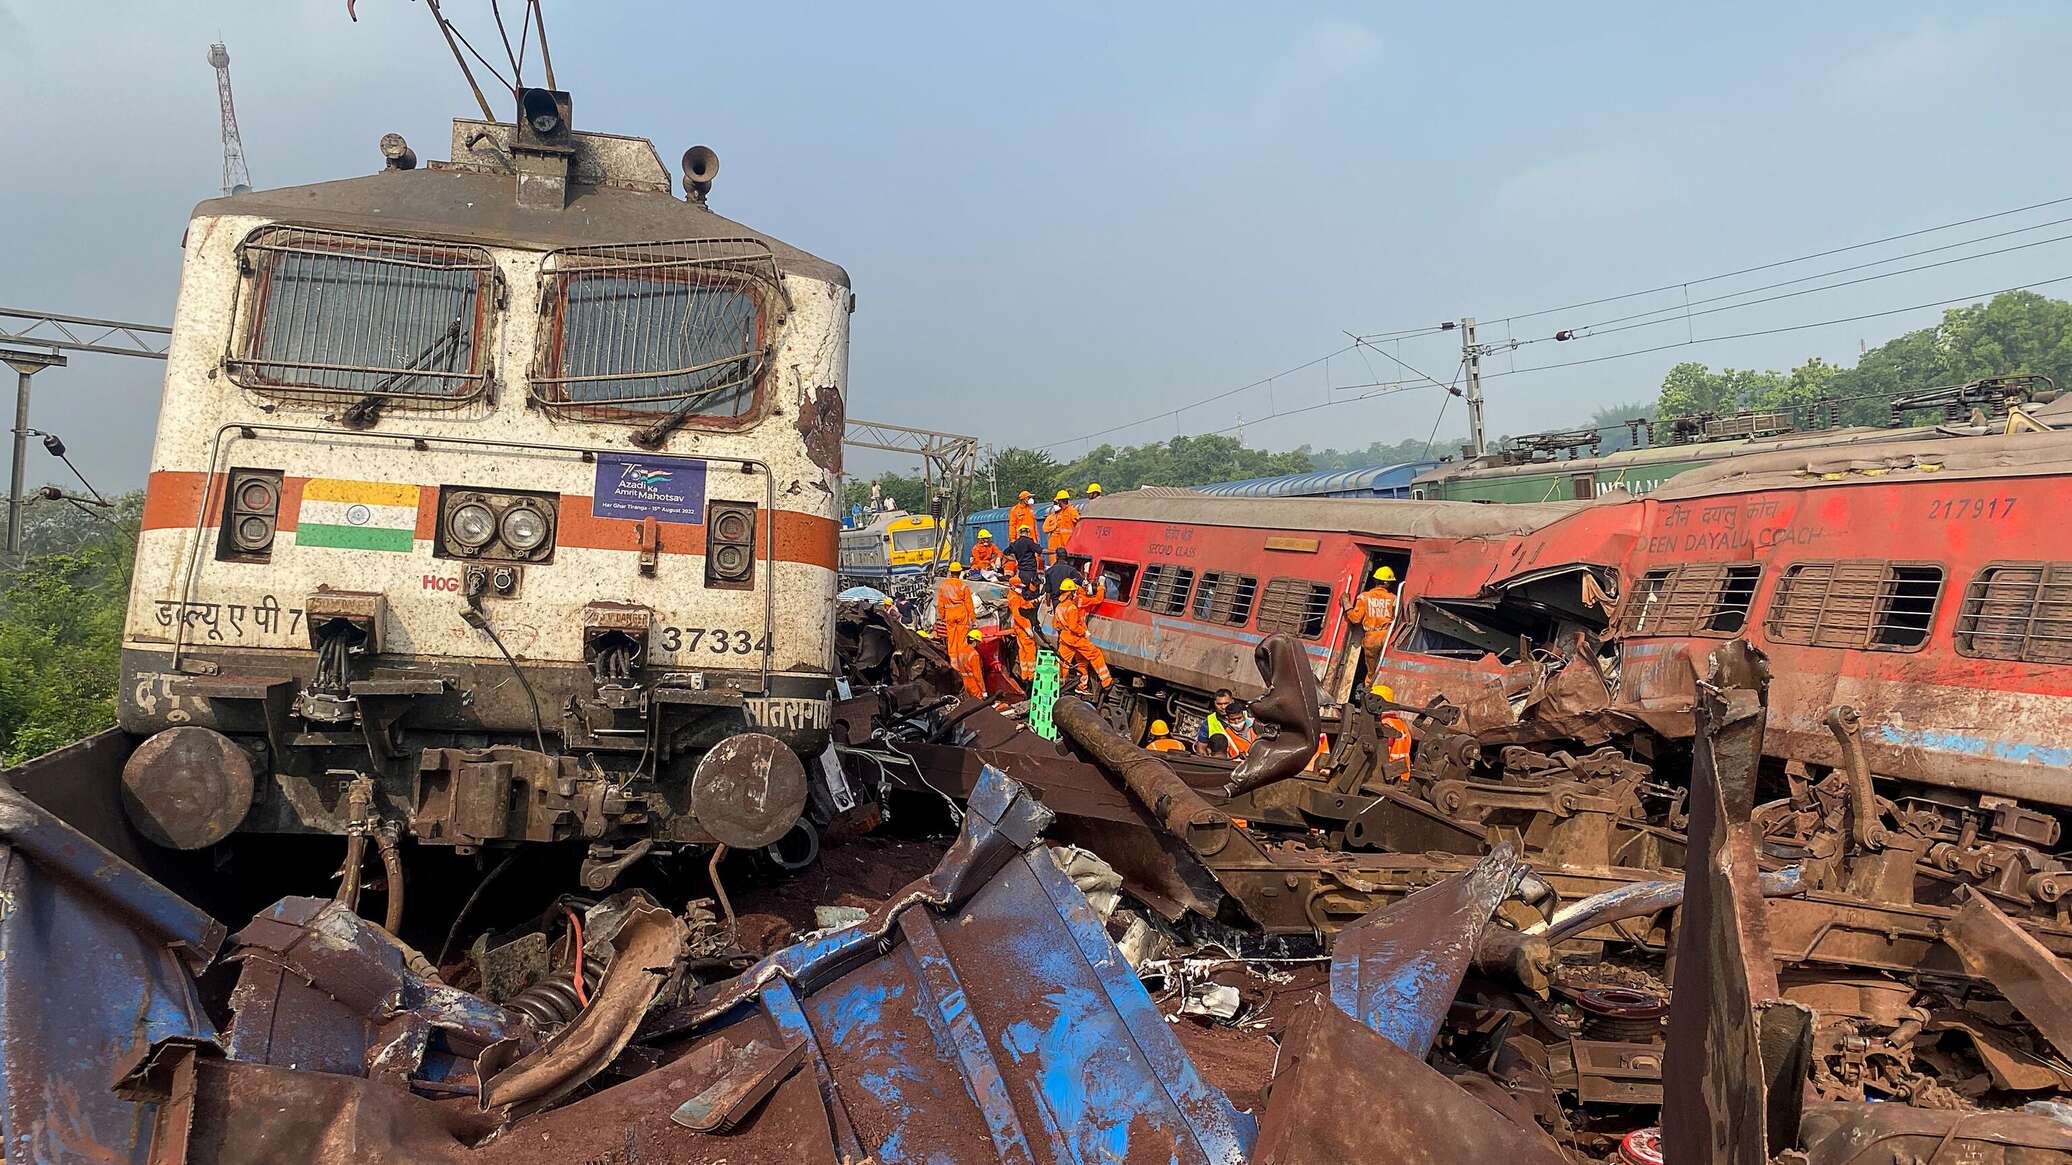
(1594, 330)
(1687, 283)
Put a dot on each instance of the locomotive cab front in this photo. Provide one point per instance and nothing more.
(492, 501)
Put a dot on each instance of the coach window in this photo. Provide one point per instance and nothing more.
(1116, 580)
(1704, 598)
(1294, 606)
(373, 319)
(662, 335)
(1225, 598)
(1864, 604)
(2020, 611)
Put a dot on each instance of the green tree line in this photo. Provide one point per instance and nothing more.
(61, 625)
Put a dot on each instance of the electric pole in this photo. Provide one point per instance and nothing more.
(25, 365)
(1471, 359)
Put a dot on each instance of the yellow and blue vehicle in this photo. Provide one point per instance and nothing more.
(894, 546)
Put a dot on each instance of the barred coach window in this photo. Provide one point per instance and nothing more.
(661, 334)
(331, 314)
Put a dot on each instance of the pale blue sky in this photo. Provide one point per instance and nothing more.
(1059, 218)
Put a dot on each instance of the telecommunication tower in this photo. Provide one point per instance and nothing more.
(236, 179)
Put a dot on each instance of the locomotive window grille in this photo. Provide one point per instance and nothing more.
(1225, 598)
(2020, 611)
(1164, 589)
(1294, 606)
(1701, 598)
(666, 334)
(330, 314)
(1863, 604)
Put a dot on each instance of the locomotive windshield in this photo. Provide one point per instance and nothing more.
(363, 316)
(908, 540)
(671, 333)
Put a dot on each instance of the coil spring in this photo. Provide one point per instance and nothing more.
(552, 1001)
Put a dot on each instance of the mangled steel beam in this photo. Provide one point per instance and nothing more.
(1344, 1093)
(1733, 1076)
(982, 1014)
(1398, 969)
(1997, 950)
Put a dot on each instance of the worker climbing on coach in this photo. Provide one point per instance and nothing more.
(1374, 610)
(1395, 732)
(1060, 522)
(964, 657)
(954, 608)
(1021, 619)
(1076, 646)
(1023, 514)
(985, 556)
(1162, 738)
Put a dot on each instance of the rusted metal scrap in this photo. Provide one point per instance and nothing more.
(1737, 1059)
(1346, 1093)
(1995, 949)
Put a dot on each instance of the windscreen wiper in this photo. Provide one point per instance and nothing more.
(367, 409)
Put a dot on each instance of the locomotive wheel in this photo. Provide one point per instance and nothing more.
(749, 790)
(187, 787)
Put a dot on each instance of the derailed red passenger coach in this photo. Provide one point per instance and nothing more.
(1928, 583)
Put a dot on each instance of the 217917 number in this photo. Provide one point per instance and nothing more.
(1954, 509)
(717, 640)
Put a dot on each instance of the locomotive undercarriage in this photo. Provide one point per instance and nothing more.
(621, 759)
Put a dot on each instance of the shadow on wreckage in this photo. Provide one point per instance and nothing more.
(984, 1013)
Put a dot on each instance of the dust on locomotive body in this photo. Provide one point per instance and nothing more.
(494, 500)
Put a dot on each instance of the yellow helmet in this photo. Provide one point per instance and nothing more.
(985, 533)
(1384, 574)
(885, 602)
(1161, 728)
(974, 636)
(1024, 528)
(956, 568)
(1385, 692)
(1093, 488)
(926, 634)
(1064, 495)
(1068, 585)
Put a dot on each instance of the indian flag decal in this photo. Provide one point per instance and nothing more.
(357, 515)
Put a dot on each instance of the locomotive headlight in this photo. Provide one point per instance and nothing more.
(471, 525)
(524, 528)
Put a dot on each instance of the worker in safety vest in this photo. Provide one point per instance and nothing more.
(1023, 514)
(1162, 738)
(1374, 609)
(964, 657)
(1076, 646)
(1060, 522)
(1233, 724)
(984, 555)
(954, 608)
(1021, 617)
(1396, 733)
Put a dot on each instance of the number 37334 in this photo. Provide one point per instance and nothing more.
(716, 640)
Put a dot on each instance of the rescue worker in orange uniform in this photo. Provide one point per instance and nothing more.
(954, 608)
(1023, 514)
(984, 555)
(1060, 522)
(1162, 738)
(1076, 645)
(1374, 609)
(964, 657)
(1396, 737)
(1021, 615)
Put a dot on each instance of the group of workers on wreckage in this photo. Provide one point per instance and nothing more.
(1038, 573)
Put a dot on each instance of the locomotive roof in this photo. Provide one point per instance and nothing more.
(1385, 517)
(473, 200)
(1940, 458)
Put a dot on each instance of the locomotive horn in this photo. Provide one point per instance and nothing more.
(700, 167)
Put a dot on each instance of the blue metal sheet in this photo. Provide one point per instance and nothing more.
(1374, 481)
(95, 962)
